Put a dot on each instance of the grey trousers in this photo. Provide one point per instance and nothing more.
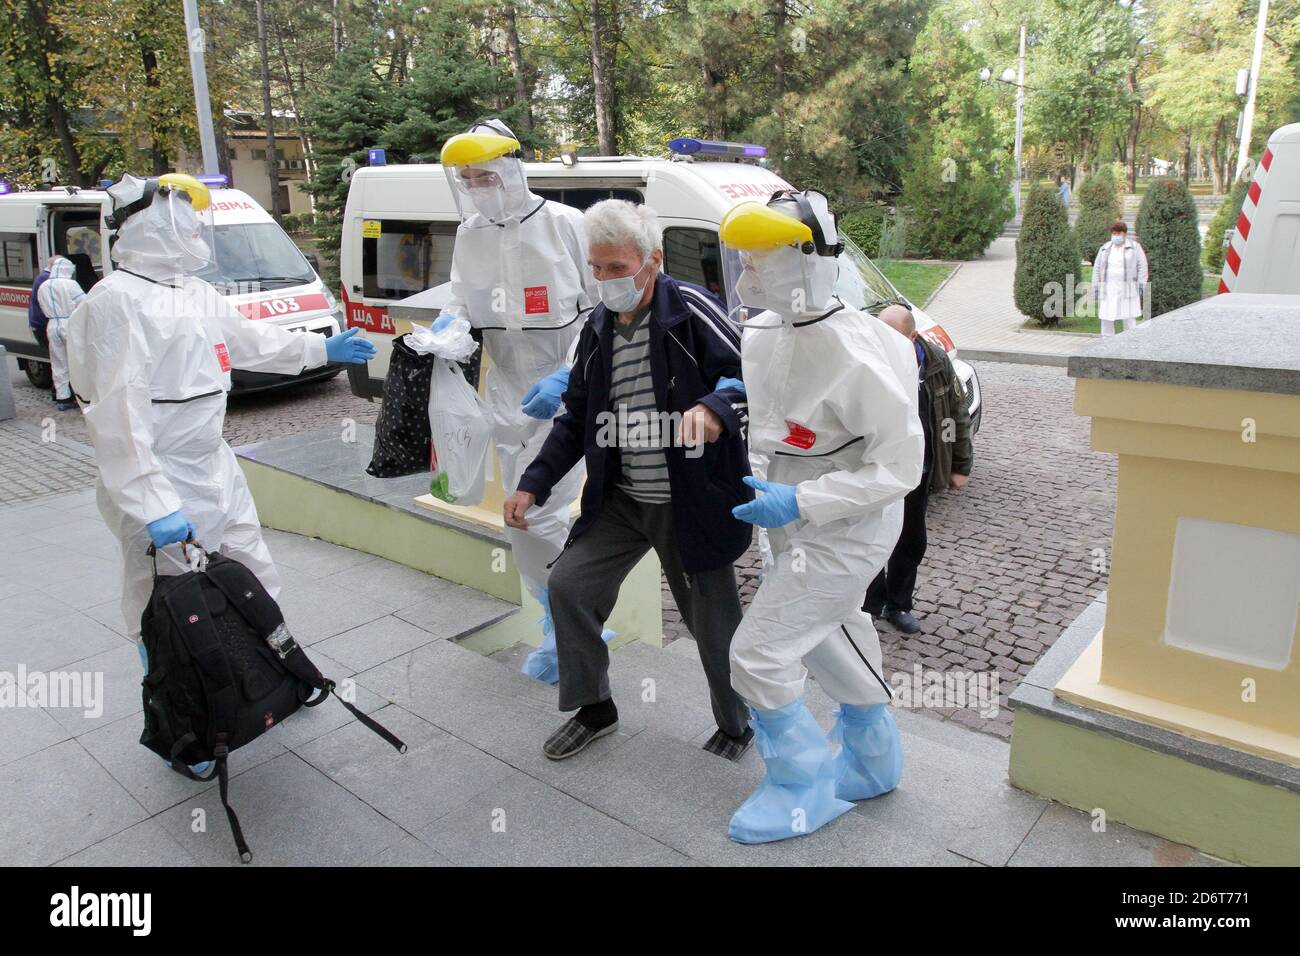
(584, 587)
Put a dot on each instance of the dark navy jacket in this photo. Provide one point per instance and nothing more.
(35, 314)
(692, 345)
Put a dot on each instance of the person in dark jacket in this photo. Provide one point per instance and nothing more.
(655, 405)
(949, 455)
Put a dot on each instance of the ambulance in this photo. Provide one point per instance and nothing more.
(1263, 253)
(399, 229)
(258, 268)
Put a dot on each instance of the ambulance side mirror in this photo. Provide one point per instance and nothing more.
(312, 261)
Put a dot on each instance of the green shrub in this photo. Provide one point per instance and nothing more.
(1099, 208)
(1224, 219)
(1047, 258)
(297, 223)
(1166, 227)
(864, 225)
(893, 238)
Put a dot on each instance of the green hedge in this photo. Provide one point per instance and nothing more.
(1224, 219)
(1167, 229)
(1099, 208)
(1047, 257)
(864, 226)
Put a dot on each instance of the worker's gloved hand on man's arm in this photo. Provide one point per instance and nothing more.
(348, 349)
(543, 400)
(172, 529)
(776, 506)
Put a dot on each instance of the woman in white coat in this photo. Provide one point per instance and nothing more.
(1119, 279)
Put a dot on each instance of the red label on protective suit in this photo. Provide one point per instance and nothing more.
(535, 300)
(799, 436)
(223, 356)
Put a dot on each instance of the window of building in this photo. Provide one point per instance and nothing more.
(406, 257)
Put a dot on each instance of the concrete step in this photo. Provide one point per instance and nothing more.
(649, 794)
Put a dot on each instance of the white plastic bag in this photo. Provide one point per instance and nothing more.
(459, 420)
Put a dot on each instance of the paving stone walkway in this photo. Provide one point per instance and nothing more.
(977, 310)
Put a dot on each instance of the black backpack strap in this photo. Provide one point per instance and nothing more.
(251, 601)
(220, 753)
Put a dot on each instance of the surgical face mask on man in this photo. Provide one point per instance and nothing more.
(1117, 238)
(621, 294)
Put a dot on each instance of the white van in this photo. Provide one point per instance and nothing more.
(1263, 253)
(399, 227)
(258, 268)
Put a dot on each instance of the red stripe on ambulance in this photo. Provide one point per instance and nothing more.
(15, 298)
(284, 306)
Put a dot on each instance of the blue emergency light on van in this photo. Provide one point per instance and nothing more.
(688, 146)
(4, 188)
(378, 157)
(221, 182)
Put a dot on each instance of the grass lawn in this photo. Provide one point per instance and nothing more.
(916, 280)
(1090, 323)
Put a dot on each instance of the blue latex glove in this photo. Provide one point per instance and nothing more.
(731, 383)
(345, 348)
(543, 399)
(774, 507)
(442, 321)
(172, 529)
(1141, 290)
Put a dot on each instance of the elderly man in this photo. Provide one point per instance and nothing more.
(948, 458)
(655, 405)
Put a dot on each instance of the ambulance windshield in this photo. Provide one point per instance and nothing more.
(256, 256)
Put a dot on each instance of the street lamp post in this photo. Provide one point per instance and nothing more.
(202, 101)
(1020, 116)
(1248, 116)
(1017, 79)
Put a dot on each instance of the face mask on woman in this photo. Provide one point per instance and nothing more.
(1117, 238)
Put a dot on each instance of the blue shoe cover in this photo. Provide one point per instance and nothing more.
(543, 664)
(870, 760)
(798, 794)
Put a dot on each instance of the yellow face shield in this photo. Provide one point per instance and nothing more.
(471, 149)
(199, 195)
(750, 226)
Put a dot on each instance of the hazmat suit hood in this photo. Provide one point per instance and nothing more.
(167, 238)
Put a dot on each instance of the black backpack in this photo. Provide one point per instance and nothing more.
(223, 670)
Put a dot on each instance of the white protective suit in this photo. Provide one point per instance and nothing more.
(151, 352)
(842, 387)
(58, 296)
(527, 286)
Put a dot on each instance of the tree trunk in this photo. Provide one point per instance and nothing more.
(336, 29)
(308, 154)
(1187, 160)
(523, 96)
(1216, 184)
(272, 160)
(1134, 129)
(54, 110)
(602, 80)
(779, 15)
